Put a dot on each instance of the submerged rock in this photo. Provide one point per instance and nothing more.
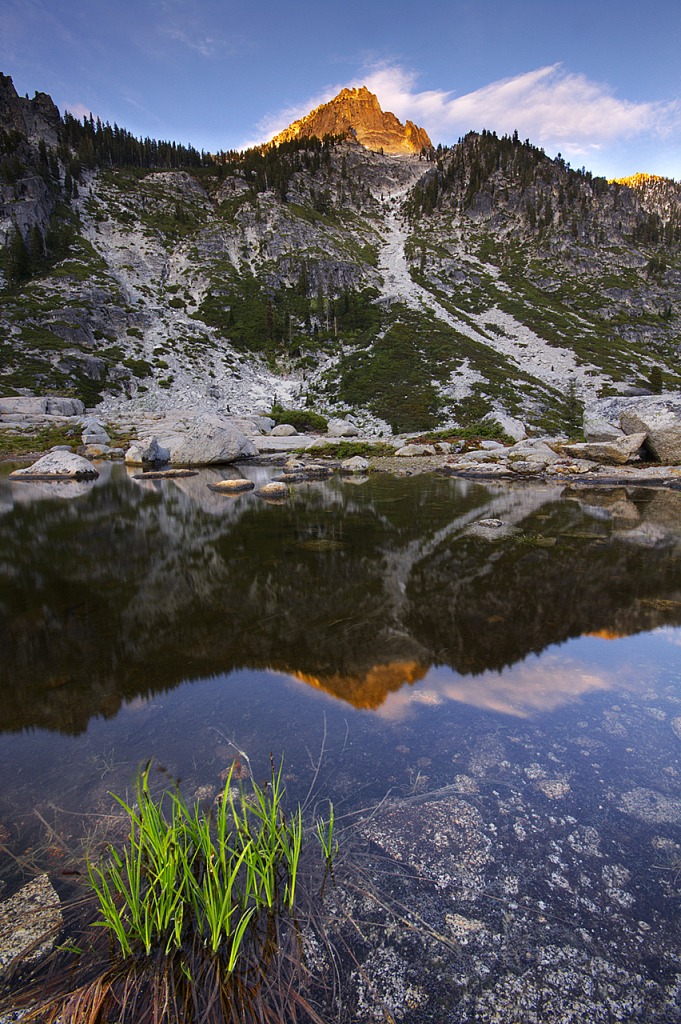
(31, 915)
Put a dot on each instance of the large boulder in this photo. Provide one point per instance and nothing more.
(616, 451)
(510, 426)
(356, 464)
(253, 424)
(283, 430)
(532, 452)
(94, 432)
(412, 451)
(341, 428)
(65, 407)
(659, 416)
(205, 440)
(602, 419)
(57, 466)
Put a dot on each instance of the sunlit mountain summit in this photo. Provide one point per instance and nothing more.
(357, 112)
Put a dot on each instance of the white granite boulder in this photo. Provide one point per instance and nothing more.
(533, 452)
(283, 430)
(253, 424)
(356, 464)
(601, 420)
(57, 466)
(659, 416)
(341, 428)
(205, 440)
(65, 407)
(514, 428)
(415, 450)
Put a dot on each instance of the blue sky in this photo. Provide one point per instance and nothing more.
(598, 81)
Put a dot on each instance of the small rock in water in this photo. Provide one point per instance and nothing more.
(232, 486)
(273, 491)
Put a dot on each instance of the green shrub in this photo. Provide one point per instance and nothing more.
(348, 449)
(301, 419)
(139, 367)
(487, 430)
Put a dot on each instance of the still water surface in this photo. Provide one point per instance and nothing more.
(531, 668)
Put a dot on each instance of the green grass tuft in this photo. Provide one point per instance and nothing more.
(198, 910)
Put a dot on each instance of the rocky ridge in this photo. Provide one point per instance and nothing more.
(407, 293)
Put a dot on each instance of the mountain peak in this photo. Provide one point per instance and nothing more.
(357, 111)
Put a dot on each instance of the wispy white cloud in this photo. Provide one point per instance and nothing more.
(553, 107)
(204, 44)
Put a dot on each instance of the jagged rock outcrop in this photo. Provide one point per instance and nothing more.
(358, 112)
(659, 196)
(36, 119)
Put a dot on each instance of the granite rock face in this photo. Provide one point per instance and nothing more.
(358, 112)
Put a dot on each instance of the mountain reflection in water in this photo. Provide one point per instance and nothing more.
(133, 587)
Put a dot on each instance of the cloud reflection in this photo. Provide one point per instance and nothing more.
(531, 687)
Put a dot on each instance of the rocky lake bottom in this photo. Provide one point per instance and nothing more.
(484, 678)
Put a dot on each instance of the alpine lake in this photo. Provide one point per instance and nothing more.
(484, 679)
